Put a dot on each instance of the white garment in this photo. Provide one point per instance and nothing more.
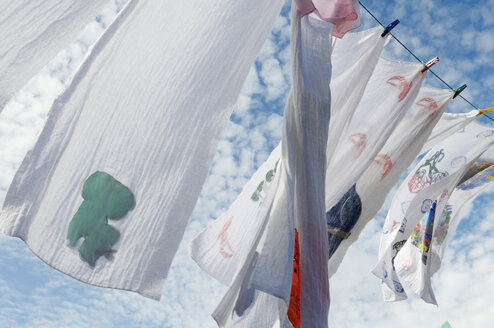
(299, 199)
(454, 211)
(388, 96)
(32, 32)
(353, 60)
(409, 261)
(383, 173)
(147, 108)
(449, 124)
(355, 57)
(433, 179)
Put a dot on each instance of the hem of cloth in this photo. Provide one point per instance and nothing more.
(153, 296)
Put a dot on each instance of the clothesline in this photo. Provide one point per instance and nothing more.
(417, 58)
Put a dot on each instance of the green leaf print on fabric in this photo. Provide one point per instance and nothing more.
(104, 198)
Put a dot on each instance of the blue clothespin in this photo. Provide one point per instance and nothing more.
(389, 28)
(459, 90)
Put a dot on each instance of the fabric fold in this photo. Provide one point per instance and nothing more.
(399, 151)
(299, 199)
(32, 32)
(432, 180)
(344, 14)
(353, 61)
(424, 249)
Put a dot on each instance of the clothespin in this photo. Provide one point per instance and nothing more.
(430, 63)
(389, 28)
(459, 90)
(484, 111)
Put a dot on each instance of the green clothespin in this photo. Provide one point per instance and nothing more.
(459, 90)
(446, 325)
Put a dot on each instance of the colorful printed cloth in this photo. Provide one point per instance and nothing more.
(405, 243)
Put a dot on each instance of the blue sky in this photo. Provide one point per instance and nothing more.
(461, 33)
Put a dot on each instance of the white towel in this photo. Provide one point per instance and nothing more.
(106, 193)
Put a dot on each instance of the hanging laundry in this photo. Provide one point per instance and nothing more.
(451, 123)
(106, 192)
(299, 199)
(417, 269)
(32, 32)
(344, 14)
(355, 57)
(433, 180)
(365, 198)
(391, 91)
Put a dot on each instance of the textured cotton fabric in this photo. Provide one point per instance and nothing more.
(449, 124)
(388, 96)
(106, 192)
(354, 59)
(372, 187)
(32, 32)
(299, 199)
(432, 180)
(417, 273)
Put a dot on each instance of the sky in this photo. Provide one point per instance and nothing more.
(459, 32)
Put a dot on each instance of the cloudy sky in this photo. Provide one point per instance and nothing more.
(461, 33)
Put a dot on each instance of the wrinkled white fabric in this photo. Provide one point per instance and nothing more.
(383, 173)
(353, 61)
(224, 246)
(32, 32)
(299, 199)
(457, 207)
(354, 58)
(433, 179)
(152, 127)
(448, 124)
(410, 260)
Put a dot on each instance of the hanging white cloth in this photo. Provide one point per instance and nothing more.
(451, 123)
(299, 199)
(106, 192)
(353, 61)
(393, 159)
(433, 180)
(32, 32)
(415, 264)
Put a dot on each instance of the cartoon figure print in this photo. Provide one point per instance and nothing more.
(428, 173)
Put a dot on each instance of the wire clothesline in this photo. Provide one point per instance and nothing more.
(417, 58)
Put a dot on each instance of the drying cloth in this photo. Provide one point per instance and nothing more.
(299, 199)
(353, 61)
(344, 14)
(362, 202)
(32, 32)
(449, 124)
(432, 180)
(106, 192)
(419, 267)
(391, 91)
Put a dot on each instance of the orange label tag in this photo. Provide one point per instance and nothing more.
(294, 307)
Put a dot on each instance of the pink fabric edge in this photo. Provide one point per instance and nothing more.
(344, 14)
